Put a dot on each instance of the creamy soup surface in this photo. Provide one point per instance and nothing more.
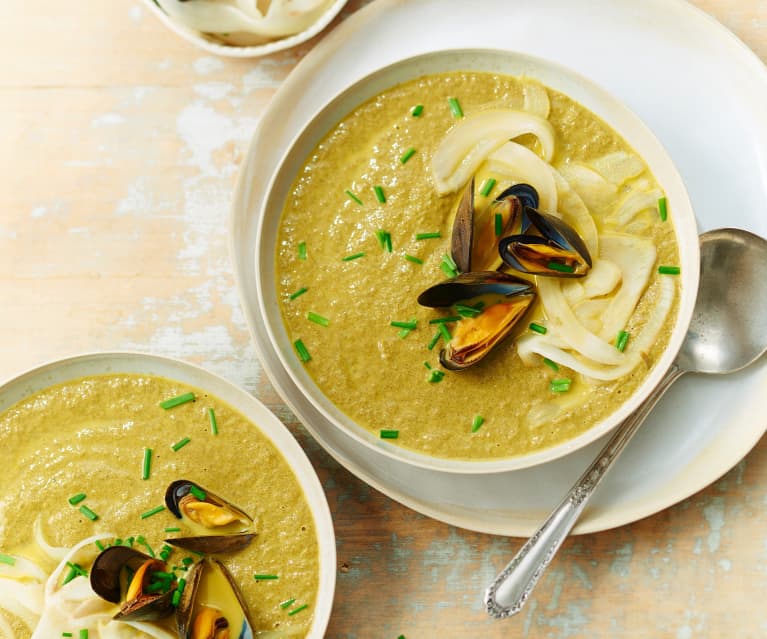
(377, 374)
(89, 436)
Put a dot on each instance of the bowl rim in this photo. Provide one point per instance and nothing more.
(247, 51)
(60, 370)
(583, 90)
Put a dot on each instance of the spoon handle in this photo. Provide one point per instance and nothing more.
(511, 588)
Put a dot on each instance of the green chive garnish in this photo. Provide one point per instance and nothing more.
(551, 364)
(7, 560)
(416, 110)
(303, 353)
(448, 266)
(561, 268)
(444, 332)
(177, 401)
(265, 577)
(176, 598)
(180, 444)
(389, 434)
(298, 293)
(213, 422)
(447, 259)
(444, 320)
(198, 492)
(621, 340)
(88, 513)
(150, 513)
(411, 325)
(302, 250)
(99, 545)
(498, 224)
(173, 529)
(486, 187)
(66, 634)
(538, 328)
(384, 239)
(407, 155)
(147, 465)
(663, 209)
(436, 376)
(76, 499)
(317, 319)
(467, 311)
(354, 256)
(560, 385)
(455, 107)
(434, 340)
(428, 236)
(287, 603)
(84, 633)
(380, 196)
(404, 333)
(427, 365)
(669, 270)
(413, 259)
(353, 197)
(476, 423)
(297, 610)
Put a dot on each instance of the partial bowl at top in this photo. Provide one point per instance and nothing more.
(245, 30)
(359, 222)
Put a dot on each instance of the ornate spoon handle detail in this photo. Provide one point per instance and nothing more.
(511, 588)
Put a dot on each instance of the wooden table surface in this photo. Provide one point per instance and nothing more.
(119, 146)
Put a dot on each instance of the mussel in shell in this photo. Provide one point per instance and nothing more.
(221, 526)
(211, 606)
(121, 574)
(474, 337)
(554, 249)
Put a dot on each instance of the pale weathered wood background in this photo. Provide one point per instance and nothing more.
(119, 145)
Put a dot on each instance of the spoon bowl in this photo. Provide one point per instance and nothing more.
(728, 331)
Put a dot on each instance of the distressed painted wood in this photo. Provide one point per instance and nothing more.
(119, 145)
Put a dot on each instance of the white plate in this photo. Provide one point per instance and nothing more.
(700, 90)
(60, 371)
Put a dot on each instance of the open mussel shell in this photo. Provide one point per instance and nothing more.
(557, 250)
(469, 285)
(107, 578)
(462, 238)
(203, 510)
(528, 198)
(211, 604)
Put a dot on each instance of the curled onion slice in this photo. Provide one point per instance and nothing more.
(635, 201)
(596, 192)
(520, 164)
(536, 99)
(603, 277)
(618, 167)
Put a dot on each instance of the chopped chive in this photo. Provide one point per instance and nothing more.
(287, 603)
(213, 421)
(486, 187)
(187, 561)
(172, 529)
(498, 224)
(197, 492)
(180, 444)
(175, 598)
(444, 332)
(663, 209)
(302, 250)
(467, 311)
(428, 236)
(669, 270)
(181, 585)
(621, 340)
(476, 423)
(434, 340)
(413, 259)
(404, 333)
(66, 634)
(444, 320)
(147, 465)
(427, 365)
(303, 353)
(436, 376)
(298, 293)
(447, 270)
(353, 256)
(353, 197)
(551, 364)
(76, 499)
(84, 633)
(416, 110)
(411, 325)
(265, 577)
(99, 545)
(560, 385)
(538, 328)
(447, 259)
(7, 560)
(297, 610)
(149, 513)
(88, 513)
(407, 155)
(455, 107)
(177, 401)
(317, 319)
(384, 239)
(389, 434)
(380, 196)
(561, 268)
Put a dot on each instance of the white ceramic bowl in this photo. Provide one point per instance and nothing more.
(71, 368)
(557, 77)
(216, 47)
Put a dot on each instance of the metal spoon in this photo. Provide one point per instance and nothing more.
(728, 332)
